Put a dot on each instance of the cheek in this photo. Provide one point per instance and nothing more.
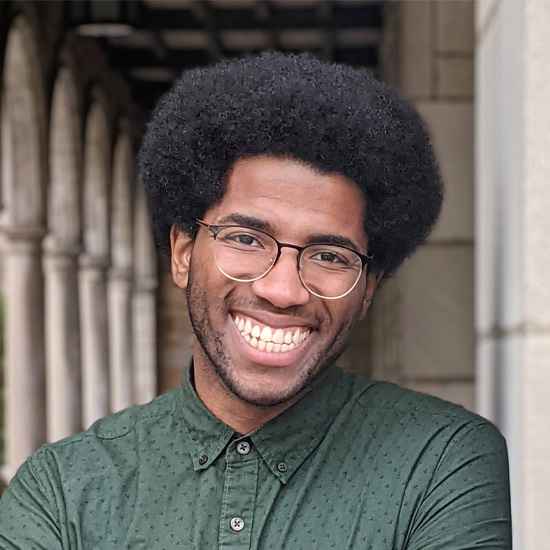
(344, 311)
(203, 268)
(210, 282)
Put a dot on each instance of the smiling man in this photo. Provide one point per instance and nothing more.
(269, 316)
(283, 190)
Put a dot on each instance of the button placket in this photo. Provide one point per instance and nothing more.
(239, 496)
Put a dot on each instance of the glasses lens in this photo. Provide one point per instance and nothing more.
(329, 271)
(244, 254)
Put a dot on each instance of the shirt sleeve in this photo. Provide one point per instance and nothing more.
(467, 503)
(28, 511)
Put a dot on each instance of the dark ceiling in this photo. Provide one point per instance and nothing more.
(151, 41)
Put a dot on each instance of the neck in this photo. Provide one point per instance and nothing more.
(240, 415)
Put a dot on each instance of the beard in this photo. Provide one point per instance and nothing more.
(211, 341)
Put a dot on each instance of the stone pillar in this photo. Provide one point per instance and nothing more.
(146, 382)
(120, 327)
(25, 390)
(145, 340)
(513, 254)
(62, 342)
(95, 339)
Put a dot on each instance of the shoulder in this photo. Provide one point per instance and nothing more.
(128, 420)
(415, 415)
(400, 401)
(124, 431)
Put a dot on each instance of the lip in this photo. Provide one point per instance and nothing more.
(266, 358)
(273, 320)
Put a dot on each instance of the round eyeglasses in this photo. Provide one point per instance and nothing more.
(245, 255)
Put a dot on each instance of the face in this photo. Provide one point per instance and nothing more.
(295, 204)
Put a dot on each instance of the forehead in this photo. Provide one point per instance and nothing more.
(293, 198)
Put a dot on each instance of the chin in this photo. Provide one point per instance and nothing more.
(261, 397)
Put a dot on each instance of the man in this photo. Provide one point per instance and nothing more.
(283, 189)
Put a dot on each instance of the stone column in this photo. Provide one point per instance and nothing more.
(513, 252)
(62, 341)
(95, 339)
(145, 340)
(120, 330)
(25, 391)
(144, 305)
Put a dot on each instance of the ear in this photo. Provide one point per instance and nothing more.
(372, 284)
(181, 246)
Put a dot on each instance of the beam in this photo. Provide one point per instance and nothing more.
(127, 58)
(345, 16)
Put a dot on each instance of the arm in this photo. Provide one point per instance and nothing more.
(467, 503)
(28, 511)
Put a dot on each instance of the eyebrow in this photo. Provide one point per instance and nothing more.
(262, 225)
(328, 238)
(247, 221)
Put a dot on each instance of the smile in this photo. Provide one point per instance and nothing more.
(270, 339)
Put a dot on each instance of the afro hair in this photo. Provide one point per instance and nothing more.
(336, 118)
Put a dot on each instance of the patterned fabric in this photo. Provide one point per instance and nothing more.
(355, 464)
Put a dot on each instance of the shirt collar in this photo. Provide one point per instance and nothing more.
(285, 441)
(207, 435)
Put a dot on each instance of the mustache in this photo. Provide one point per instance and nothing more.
(258, 304)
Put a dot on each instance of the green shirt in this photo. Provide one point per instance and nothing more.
(353, 464)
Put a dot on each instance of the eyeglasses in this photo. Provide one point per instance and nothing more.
(245, 255)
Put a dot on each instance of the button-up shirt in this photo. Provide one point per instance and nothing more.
(353, 464)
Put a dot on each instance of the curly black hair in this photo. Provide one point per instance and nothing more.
(333, 117)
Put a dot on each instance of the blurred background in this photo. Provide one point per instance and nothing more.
(91, 322)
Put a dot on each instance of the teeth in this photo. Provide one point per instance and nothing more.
(269, 339)
(279, 336)
(266, 334)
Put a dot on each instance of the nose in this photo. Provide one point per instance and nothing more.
(282, 285)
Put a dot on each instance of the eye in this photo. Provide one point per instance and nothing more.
(328, 257)
(243, 240)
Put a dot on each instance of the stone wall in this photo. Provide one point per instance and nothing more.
(513, 254)
(426, 313)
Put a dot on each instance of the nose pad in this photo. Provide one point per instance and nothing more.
(282, 286)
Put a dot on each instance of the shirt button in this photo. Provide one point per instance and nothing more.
(243, 447)
(282, 467)
(203, 459)
(237, 524)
